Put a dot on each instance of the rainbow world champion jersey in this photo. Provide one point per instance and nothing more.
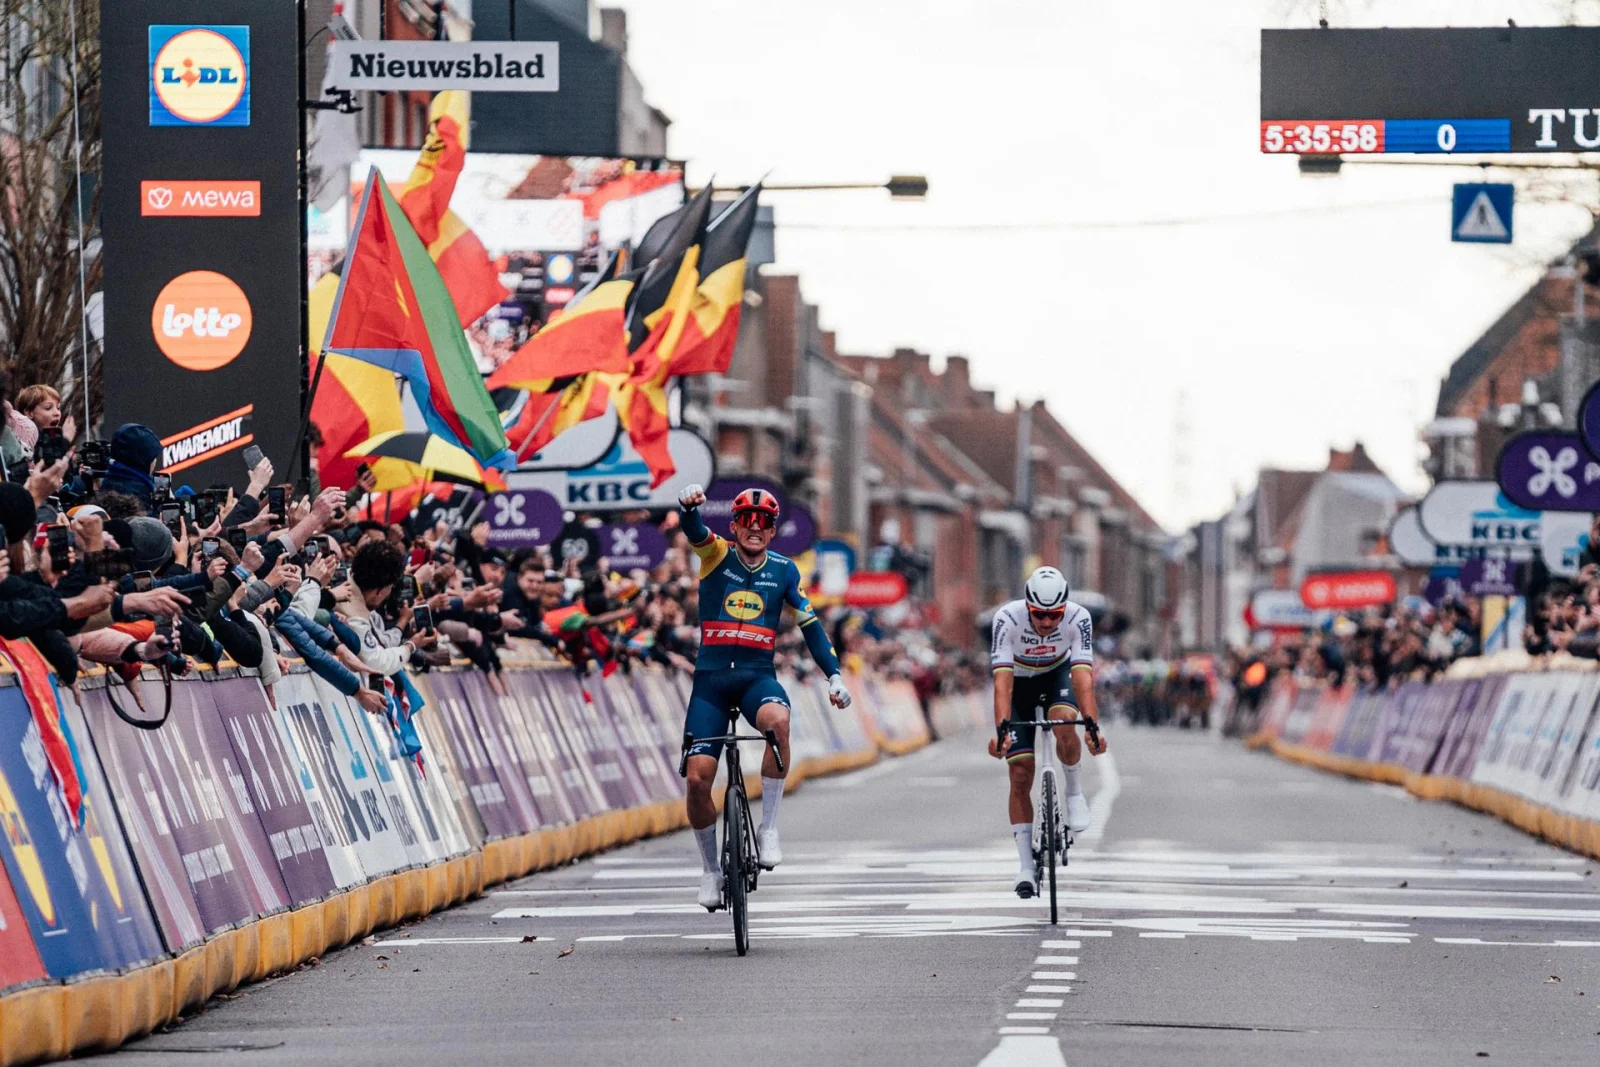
(740, 607)
(1017, 647)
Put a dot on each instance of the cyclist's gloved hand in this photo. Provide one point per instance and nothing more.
(838, 695)
(692, 496)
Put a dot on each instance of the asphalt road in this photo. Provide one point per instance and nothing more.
(1227, 908)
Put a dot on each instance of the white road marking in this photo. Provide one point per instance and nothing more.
(1161, 933)
(1016, 1050)
(1039, 1002)
(1024, 1030)
(1030, 1015)
(401, 942)
(1048, 989)
(1104, 798)
(1048, 960)
(1058, 976)
(1530, 944)
(1060, 944)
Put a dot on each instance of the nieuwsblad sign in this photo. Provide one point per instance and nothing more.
(497, 66)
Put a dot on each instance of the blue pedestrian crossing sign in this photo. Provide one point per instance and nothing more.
(1480, 213)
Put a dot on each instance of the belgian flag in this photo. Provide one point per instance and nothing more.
(656, 320)
(712, 326)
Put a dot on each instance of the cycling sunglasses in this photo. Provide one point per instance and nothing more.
(755, 520)
(1053, 615)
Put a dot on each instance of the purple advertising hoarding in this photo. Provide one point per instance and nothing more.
(523, 518)
(1549, 470)
(626, 547)
(500, 819)
(264, 772)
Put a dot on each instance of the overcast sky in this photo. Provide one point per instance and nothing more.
(1102, 230)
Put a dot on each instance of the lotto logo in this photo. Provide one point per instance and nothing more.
(201, 320)
(199, 75)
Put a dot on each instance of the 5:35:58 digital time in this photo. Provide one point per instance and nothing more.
(1317, 137)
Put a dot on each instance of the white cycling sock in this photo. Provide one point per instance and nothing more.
(771, 796)
(1022, 833)
(710, 855)
(1069, 778)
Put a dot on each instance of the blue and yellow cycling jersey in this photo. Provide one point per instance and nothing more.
(740, 606)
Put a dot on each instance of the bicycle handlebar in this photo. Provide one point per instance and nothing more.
(689, 740)
(1090, 726)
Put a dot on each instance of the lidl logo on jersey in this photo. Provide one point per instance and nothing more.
(199, 75)
(743, 605)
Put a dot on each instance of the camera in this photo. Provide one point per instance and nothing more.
(95, 457)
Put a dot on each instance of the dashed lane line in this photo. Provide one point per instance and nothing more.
(1035, 1048)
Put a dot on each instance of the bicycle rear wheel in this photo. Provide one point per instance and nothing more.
(1049, 817)
(734, 858)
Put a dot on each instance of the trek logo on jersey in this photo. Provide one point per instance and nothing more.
(199, 75)
(743, 605)
(728, 633)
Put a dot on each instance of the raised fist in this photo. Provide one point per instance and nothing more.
(692, 496)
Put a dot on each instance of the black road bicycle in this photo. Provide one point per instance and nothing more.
(1052, 837)
(741, 856)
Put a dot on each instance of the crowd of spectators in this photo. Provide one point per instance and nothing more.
(108, 563)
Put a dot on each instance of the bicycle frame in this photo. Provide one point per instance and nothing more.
(1052, 838)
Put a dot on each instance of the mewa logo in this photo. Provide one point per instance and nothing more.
(199, 75)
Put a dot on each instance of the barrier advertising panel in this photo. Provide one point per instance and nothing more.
(266, 777)
(19, 960)
(81, 914)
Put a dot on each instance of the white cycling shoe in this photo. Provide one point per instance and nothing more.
(1077, 812)
(711, 890)
(1025, 887)
(767, 847)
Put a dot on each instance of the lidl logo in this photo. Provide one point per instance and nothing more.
(743, 605)
(199, 75)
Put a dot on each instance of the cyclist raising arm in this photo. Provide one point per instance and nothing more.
(1042, 655)
(743, 589)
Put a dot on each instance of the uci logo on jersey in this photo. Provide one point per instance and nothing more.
(199, 75)
(743, 605)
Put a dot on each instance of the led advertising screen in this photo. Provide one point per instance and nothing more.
(201, 235)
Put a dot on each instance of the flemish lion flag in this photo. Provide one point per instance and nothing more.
(393, 311)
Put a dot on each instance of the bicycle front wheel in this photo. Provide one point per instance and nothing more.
(735, 856)
(1050, 833)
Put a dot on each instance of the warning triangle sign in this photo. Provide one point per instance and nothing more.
(1482, 221)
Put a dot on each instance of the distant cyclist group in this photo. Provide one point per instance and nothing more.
(1042, 655)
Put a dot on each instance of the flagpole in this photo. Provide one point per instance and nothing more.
(302, 445)
(549, 412)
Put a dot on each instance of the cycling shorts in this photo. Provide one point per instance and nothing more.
(1042, 696)
(718, 694)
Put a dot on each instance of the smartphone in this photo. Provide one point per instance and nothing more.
(253, 457)
(421, 618)
(109, 564)
(60, 539)
(275, 502)
(309, 554)
(52, 446)
(341, 574)
(142, 581)
(164, 629)
(209, 547)
(375, 682)
(419, 556)
(238, 538)
(172, 518)
(408, 588)
(163, 484)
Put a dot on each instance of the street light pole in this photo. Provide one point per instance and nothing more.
(900, 187)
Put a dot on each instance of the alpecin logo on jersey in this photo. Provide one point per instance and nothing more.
(733, 633)
(1085, 630)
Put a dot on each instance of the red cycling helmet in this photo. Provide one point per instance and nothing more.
(756, 502)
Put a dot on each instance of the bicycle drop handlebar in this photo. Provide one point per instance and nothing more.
(689, 741)
(1090, 726)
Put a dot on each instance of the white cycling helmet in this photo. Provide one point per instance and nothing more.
(1046, 590)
